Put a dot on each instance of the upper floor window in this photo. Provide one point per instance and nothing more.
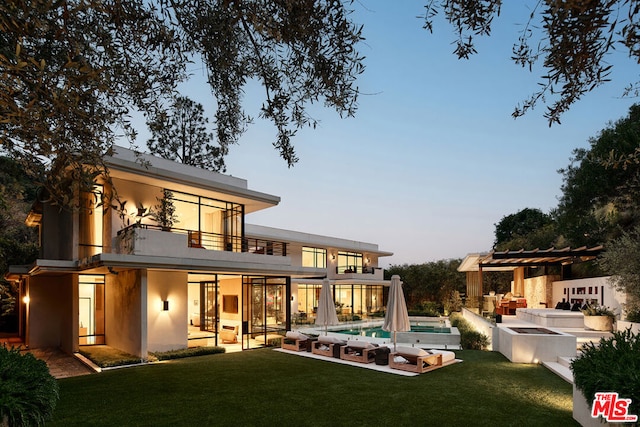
(216, 224)
(349, 262)
(314, 257)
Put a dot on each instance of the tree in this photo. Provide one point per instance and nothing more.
(72, 71)
(570, 39)
(621, 261)
(183, 136)
(18, 243)
(600, 199)
(526, 229)
(429, 282)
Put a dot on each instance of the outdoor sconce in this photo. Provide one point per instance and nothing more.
(25, 299)
(141, 212)
(165, 305)
(333, 256)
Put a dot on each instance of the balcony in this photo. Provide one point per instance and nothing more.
(143, 239)
(355, 272)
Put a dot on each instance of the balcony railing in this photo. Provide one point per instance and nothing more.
(219, 242)
(347, 269)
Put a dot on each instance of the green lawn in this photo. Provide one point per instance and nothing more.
(265, 387)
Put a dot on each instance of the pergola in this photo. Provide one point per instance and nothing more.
(516, 261)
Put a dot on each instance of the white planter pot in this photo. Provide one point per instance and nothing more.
(598, 323)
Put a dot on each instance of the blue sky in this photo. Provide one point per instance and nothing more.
(433, 159)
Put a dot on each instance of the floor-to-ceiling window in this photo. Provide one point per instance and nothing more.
(91, 309)
(265, 310)
(307, 298)
(212, 224)
(353, 301)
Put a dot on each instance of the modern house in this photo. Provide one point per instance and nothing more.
(117, 277)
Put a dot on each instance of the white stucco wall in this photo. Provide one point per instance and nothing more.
(167, 330)
(606, 295)
(124, 311)
(51, 312)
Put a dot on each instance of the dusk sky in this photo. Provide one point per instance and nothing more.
(433, 159)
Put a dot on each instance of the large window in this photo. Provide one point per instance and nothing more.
(314, 257)
(265, 310)
(353, 302)
(213, 224)
(349, 262)
(91, 309)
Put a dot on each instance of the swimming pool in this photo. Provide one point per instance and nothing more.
(378, 332)
(426, 332)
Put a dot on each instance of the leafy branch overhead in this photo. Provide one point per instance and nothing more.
(570, 39)
(72, 72)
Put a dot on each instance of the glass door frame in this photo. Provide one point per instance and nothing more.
(255, 323)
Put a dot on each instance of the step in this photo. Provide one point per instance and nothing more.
(562, 371)
(565, 360)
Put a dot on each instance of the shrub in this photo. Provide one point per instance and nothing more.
(611, 365)
(470, 339)
(633, 316)
(428, 309)
(187, 352)
(108, 357)
(28, 392)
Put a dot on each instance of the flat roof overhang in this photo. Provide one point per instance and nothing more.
(510, 260)
(143, 168)
(114, 263)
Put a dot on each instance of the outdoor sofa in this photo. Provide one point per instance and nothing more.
(327, 346)
(358, 351)
(295, 341)
(418, 360)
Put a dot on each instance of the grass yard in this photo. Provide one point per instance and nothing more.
(266, 388)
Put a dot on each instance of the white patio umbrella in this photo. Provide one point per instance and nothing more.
(326, 314)
(397, 317)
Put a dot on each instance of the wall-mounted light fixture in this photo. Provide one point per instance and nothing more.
(368, 260)
(291, 297)
(165, 305)
(141, 212)
(25, 299)
(333, 256)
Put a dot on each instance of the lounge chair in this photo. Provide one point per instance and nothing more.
(295, 341)
(417, 360)
(327, 346)
(228, 334)
(358, 351)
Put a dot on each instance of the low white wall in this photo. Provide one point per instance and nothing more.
(535, 348)
(482, 325)
(622, 325)
(582, 412)
(601, 291)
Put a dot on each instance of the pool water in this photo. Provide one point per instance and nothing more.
(377, 332)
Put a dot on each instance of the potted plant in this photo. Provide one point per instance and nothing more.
(598, 317)
(164, 213)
